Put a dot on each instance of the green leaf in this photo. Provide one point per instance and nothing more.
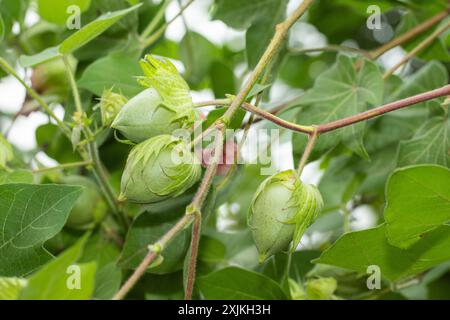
(434, 51)
(234, 283)
(197, 53)
(40, 58)
(147, 229)
(432, 76)
(418, 201)
(358, 250)
(222, 79)
(259, 17)
(116, 71)
(262, 30)
(10, 288)
(107, 282)
(30, 215)
(17, 176)
(56, 280)
(211, 250)
(77, 39)
(430, 144)
(93, 29)
(55, 144)
(2, 28)
(340, 92)
(57, 11)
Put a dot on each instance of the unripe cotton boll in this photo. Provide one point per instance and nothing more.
(90, 208)
(159, 168)
(146, 116)
(281, 210)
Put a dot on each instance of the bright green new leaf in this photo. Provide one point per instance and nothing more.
(10, 288)
(58, 11)
(339, 92)
(234, 283)
(418, 201)
(30, 215)
(93, 29)
(62, 278)
(361, 249)
(18, 176)
(77, 39)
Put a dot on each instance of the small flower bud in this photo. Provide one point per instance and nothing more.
(110, 105)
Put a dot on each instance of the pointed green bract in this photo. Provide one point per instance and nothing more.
(281, 210)
(164, 77)
(159, 168)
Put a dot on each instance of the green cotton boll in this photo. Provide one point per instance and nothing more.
(146, 116)
(281, 210)
(90, 208)
(6, 152)
(159, 168)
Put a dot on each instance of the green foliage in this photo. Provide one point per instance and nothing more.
(384, 181)
(30, 215)
(418, 202)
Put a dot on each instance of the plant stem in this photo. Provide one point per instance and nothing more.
(146, 42)
(421, 46)
(220, 126)
(309, 148)
(73, 85)
(8, 69)
(392, 106)
(280, 35)
(98, 169)
(64, 166)
(156, 20)
(192, 266)
(330, 48)
(152, 255)
(409, 35)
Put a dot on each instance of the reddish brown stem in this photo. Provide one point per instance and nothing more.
(384, 109)
(192, 267)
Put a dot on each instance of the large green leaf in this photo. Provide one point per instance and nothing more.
(30, 215)
(53, 281)
(340, 92)
(234, 283)
(361, 249)
(77, 39)
(116, 71)
(430, 144)
(418, 201)
(10, 288)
